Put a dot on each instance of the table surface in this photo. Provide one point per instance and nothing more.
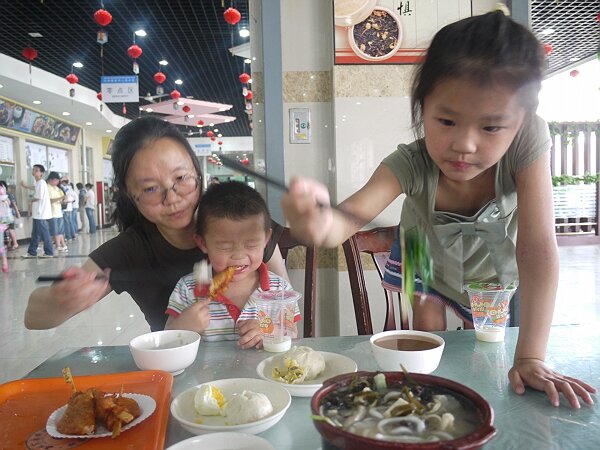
(527, 421)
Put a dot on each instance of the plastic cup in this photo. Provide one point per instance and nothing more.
(276, 311)
(489, 307)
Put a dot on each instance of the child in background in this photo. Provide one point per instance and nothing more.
(482, 148)
(233, 228)
(6, 218)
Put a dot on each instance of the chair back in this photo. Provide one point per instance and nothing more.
(287, 242)
(377, 243)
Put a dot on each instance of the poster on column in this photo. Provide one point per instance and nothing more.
(390, 31)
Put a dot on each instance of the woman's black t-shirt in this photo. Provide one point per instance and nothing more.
(145, 265)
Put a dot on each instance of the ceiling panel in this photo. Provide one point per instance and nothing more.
(190, 34)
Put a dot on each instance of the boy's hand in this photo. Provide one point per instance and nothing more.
(250, 335)
(195, 318)
(536, 374)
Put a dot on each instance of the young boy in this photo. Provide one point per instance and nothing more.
(233, 228)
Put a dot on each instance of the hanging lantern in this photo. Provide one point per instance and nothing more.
(99, 96)
(134, 52)
(244, 78)
(248, 95)
(175, 94)
(232, 16)
(200, 123)
(574, 73)
(160, 77)
(124, 109)
(245, 161)
(29, 53)
(72, 78)
(548, 49)
(220, 143)
(102, 17)
(186, 109)
(210, 134)
(213, 138)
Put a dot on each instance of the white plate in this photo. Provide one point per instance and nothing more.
(182, 408)
(223, 441)
(335, 364)
(147, 407)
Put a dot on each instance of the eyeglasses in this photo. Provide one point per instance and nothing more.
(155, 195)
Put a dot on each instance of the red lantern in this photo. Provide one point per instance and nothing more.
(245, 161)
(210, 133)
(548, 49)
(99, 96)
(124, 109)
(574, 73)
(200, 122)
(102, 17)
(134, 51)
(186, 109)
(29, 53)
(249, 95)
(244, 77)
(213, 138)
(220, 142)
(160, 77)
(232, 16)
(72, 78)
(175, 94)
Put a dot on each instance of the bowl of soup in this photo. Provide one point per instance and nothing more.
(400, 410)
(169, 350)
(415, 351)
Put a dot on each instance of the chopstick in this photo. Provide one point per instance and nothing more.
(53, 278)
(239, 167)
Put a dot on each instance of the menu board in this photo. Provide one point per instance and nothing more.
(6, 150)
(58, 160)
(17, 117)
(390, 31)
(35, 154)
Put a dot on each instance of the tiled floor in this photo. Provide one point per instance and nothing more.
(116, 319)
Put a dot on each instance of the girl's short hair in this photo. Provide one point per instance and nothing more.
(488, 49)
(137, 135)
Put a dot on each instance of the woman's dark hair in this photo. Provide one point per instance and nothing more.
(490, 48)
(4, 185)
(136, 135)
(231, 200)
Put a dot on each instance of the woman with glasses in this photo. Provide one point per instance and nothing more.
(160, 182)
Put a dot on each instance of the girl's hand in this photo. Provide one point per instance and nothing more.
(303, 207)
(534, 373)
(79, 290)
(195, 318)
(250, 335)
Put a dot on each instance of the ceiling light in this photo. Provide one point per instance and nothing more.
(244, 32)
(178, 81)
(250, 81)
(66, 113)
(1, 86)
(219, 135)
(211, 124)
(149, 110)
(222, 109)
(163, 62)
(574, 59)
(216, 130)
(191, 116)
(548, 31)
(140, 33)
(248, 61)
(88, 123)
(37, 102)
(109, 131)
(180, 102)
(78, 65)
(35, 34)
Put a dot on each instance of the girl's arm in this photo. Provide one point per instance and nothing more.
(537, 260)
(50, 306)
(328, 227)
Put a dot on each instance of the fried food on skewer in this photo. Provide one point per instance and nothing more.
(114, 410)
(220, 282)
(79, 418)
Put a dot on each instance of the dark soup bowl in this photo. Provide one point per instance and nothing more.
(394, 410)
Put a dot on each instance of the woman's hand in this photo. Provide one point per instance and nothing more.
(195, 318)
(80, 289)
(536, 374)
(306, 210)
(250, 335)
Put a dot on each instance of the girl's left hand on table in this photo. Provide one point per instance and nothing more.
(250, 335)
(536, 374)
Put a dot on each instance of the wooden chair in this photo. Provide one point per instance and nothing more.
(287, 242)
(376, 242)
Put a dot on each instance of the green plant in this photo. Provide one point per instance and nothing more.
(570, 180)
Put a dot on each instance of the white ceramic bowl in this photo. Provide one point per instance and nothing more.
(219, 441)
(168, 350)
(182, 408)
(417, 361)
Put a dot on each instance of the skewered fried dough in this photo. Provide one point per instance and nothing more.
(79, 417)
(220, 281)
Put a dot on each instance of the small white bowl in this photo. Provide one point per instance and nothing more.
(183, 410)
(416, 361)
(168, 350)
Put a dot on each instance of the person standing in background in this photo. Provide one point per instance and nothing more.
(82, 193)
(74, 214)
(56, 223)
(67, 208)
(90, 207)
(12, 235)
(41, 211)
